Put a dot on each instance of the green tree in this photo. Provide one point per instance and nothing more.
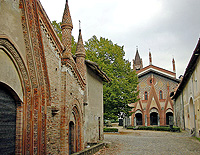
(57, 28)
(122, 90)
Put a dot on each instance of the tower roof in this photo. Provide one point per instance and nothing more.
(150, 58)
(137, 58)
(66, 20)
(137, 62)
(80, 47)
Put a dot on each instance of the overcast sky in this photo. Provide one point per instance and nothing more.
(169, 28)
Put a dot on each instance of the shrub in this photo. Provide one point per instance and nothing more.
(130, 127)
(110, 130)
(197, 138)
(155, 128)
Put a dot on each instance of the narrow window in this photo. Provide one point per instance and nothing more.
(161, 95)
(145, 95)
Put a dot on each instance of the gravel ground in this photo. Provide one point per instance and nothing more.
(135, 142)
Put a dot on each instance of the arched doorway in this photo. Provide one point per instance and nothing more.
(138, 119)
(71, 138)
(191, 114)
(75, 143)
(154, 118)
(168, 114)
(7, 122)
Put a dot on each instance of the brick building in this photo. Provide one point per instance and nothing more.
(45, 101)
(155, 84)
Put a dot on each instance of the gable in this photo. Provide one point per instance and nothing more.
(153, 99)
(149, 71)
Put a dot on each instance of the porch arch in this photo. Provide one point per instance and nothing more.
(168, 113)
(138, 117)
(154, 117)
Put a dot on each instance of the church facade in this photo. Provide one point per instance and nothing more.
(154, 106)
(45, 101)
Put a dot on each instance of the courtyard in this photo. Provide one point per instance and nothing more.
(138, 142)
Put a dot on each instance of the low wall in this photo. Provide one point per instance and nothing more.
(91, 150)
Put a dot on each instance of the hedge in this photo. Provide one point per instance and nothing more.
(110, 130)
(156, 128)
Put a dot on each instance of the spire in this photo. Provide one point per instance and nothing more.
(137, 62)
(66, 20)
(66, 31)
(173, 63)
(150, 58)
(80, 50)
(80, 55)
(137, 57)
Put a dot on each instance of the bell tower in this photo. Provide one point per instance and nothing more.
(137, 62)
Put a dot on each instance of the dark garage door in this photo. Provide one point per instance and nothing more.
(7, 122)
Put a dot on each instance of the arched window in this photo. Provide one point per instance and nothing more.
(71, 137)
(7, 122)
(161, 94)
(145, 95)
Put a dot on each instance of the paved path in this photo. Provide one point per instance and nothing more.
(135, 142)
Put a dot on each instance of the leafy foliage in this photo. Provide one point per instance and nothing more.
(57, 28)
(122, 90)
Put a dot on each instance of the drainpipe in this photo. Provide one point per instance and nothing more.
(193, 106)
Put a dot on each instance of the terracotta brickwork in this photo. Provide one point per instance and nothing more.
(80, 56)
(47, 83)
(155, 105)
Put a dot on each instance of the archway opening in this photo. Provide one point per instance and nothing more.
(168, 114)
(191, 114)
(154, 118)
(71, 138)
(7, 122)
(138, 119)
(77, 145)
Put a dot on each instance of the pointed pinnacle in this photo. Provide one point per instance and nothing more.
(66, 20)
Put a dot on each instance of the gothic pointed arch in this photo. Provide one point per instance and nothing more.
(76, 118)
(153, 100)
(138, 105)
(22, 95)
(168, 103)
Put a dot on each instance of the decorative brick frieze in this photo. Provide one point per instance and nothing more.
(47, 24)
(39, 78)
